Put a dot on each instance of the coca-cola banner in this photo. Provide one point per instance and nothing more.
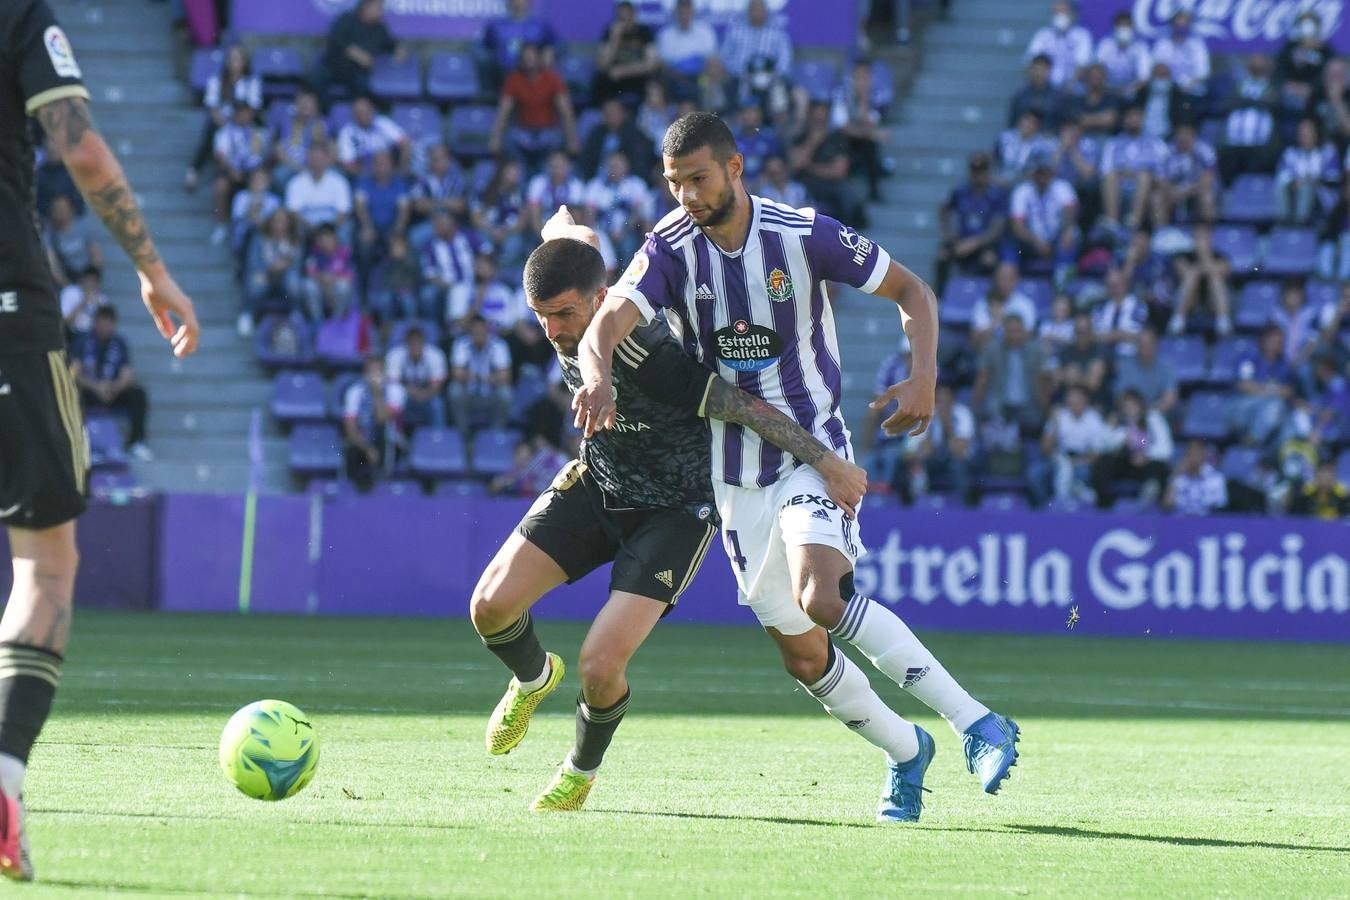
(1258, 578)
(1229, 26)
(812, 23)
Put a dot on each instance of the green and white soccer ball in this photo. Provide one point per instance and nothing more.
(269, 750)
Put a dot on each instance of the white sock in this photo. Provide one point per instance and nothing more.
(11, 775)
(569, 766)
(894, 649)
(536, 683)
(846, 694)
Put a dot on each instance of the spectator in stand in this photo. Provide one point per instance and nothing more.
(820, 160)
(480, 380)
(1130, 162)
(242, 146)
(654, 115)
(442, 186)
(972, 224)
(328, 276)
(1299, 322)
(302, 129)
(854, 114)
(1202, 268)
(382, 209)
(1265, 385)
(755, 140)
(1074, 438)
(371, 415)
(1038, 96)
(1124, 56)
(627, 57)
(319, 194)
(368, 133)
(620, 206)
(716, 91)
(1137, 448)
(1307, 171)
(355, 40)
(249, 210)
(72, 241)
(1077, 159)
(273, 280)
(1067, 44)
(1164, 103)
(1196, 487)
(1044, 221)
(233, 86)
(447, 269)
(1328, 397)
(1335, 320)
(1120, 317)
(1055, 332)
(499, 213)
(1018, 147)
(1185, 188)
(102, 369)
(53, 180)
(684, 47)
(945, 453)
(1185, 55)
(1010, 382)
(1250, 142)
(1081, 363)
(534, 465)
(615, 133)
(1325, 497)
(1002, 300)
(1300, 64)
(757, 53)
(1098, 108)
(1332, 100)
(554, 187)
(490, 297)
(80, 302)
(396, 283)
(1333, 259)
(505, 37)
(529, 346)
(422, 371)
(535, 104)
(775, 184)
(1147, 374)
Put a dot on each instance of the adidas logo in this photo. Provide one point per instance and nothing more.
(821, 514)
(912, 676)
(668, 579)
(704, 293)
(855, 724)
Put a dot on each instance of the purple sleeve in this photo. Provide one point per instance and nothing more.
(654, 279)
(838, 253)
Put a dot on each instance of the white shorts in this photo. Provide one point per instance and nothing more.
(760, 525)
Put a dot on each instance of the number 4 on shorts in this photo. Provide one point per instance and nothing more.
(737, 556)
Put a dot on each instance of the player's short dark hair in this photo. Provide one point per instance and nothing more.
(561, 265)
(693, 131)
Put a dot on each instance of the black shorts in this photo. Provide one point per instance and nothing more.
(656, 552)
(44, 454)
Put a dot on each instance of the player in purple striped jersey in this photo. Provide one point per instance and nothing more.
(742, 283)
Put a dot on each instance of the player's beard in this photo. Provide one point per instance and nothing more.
(718, 215)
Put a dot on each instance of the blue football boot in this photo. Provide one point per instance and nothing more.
(902, 795)
(991, 749)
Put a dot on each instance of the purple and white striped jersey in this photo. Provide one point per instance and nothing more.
(760, 317)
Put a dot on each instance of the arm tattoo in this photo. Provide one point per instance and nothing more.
(67, 121)
(731, 404)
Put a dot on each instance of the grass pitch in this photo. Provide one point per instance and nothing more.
(1155, 768)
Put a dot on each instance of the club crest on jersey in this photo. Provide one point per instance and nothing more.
(59, 52)
(778, 286)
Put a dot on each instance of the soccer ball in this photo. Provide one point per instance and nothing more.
(269, 750)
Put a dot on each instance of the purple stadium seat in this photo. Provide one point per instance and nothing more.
(205, 63)
(339, 114)
(453, 77)
(279, 63)
(817, 77)
(1241, 464)
(437, 453)
(587, 121)
(396, 487)
(481, 175)
(1211, 131)
(109, 484)
(1321, 293)
(1187, 355)
(1133, 506)
(270, 357)
(529, 387)
(470, 129)
(1250, 199)
(493, 450)
(1004, 503)
(398, 329)
(337, 392)
(315, 450)
(278, 113)
(1239, 244)
(1343, 466)
(958, 300)
(463, 487)
(578, 72)
(332, 488)
(1256, 304)
(1041, 292)
(391, 79)
(883, 85)
(934, 503)
(1227, 355)
(1291, 251)
(1206, 417)
(105, 442)
(422, 121)
(298, 397)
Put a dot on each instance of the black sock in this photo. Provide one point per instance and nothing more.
(518, 648)
(595, 729)
(27, 686)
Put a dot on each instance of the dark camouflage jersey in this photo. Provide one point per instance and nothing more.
(657, 455)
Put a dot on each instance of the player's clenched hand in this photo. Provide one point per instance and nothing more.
(166, 302)
(914, 409)
(562, 225)
(844, 482)
(594, 405)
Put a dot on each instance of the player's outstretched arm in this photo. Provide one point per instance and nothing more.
(99, 176)
(594, 402)
(914, 395)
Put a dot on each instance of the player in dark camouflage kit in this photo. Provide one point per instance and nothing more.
(640, 495)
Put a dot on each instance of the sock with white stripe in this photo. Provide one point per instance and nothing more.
(520, 651)
(595, 729)
(894, 650)
(28, 679)
(846, 694)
